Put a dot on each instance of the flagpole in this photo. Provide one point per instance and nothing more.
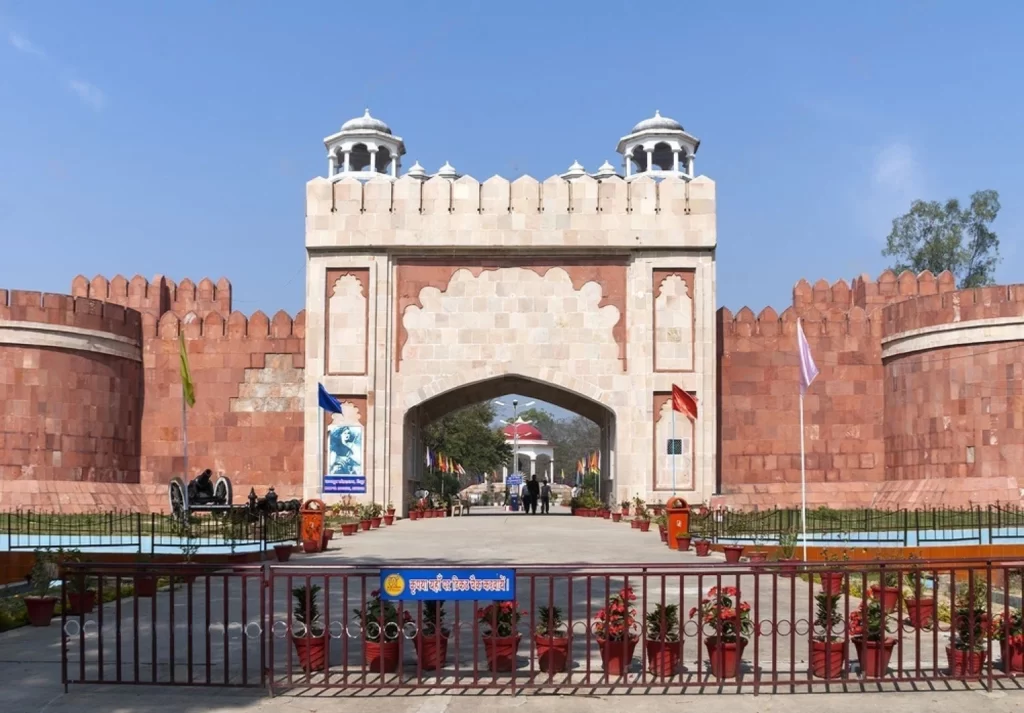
(320, 451)
(184, 432)
(803, 479)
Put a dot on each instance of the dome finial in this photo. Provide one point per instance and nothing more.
(657, 112)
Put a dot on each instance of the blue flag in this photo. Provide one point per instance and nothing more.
(327, 402)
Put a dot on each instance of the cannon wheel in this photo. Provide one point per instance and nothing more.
(177, 494)
(222, 495)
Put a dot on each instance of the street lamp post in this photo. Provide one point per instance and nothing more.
(515, 423)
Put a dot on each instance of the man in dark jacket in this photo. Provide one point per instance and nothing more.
(534, 489)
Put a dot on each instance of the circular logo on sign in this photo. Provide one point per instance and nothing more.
(394, 585)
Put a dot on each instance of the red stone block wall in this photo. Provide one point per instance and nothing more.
(248, 419)
(955, 412)
(159, 295)
(69, 419)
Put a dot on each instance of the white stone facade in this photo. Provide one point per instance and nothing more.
(516, 296)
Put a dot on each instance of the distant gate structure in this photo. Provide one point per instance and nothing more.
(592, 291)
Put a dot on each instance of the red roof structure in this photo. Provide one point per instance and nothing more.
(526, 432)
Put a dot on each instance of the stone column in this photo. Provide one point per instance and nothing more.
(332, 165)
(689, 165)
(650, 159)
(675, 160)
(628, 167)
(394, 166)
(348, 155)
(373, 160)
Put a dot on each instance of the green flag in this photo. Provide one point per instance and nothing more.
(188, 389)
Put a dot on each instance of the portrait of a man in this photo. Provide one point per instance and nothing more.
(345, 450)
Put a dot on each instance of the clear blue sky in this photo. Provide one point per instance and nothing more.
(176, 138)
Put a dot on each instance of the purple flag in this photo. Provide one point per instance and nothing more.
(808, 371)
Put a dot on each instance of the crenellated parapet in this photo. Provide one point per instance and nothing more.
(237, 325)
(70, 313)
(158, 295)
(998, 303)
(524, 212)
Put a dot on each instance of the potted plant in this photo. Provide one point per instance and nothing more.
(144, 583)
(828, 652)
(283, 551)
(390, 509)
(81, 595)
(683, 542)
(786, 555)
(663, 645)
(644, 518)
(1009, 632)
(887, 590)
(757, 554)
(869, 628)
(617, 515)
(614, 629)
(702, 547)
(625, 508)
(551, 640)
(311, 641)
(969, 631)
(657, 509)
(376, 513)
(365, 517)
(432, 638)
(832, 581)
(662, 522)
(639, 510)
(416, 511)
(389, 515)
(379, 624)
(40, 604)
(501, 640)
(726, 620)
(733, 551)
(920, 609)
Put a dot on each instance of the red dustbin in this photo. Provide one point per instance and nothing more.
(311, 524)
(678, 512)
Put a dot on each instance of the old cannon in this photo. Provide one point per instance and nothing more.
(270, 504)
(202, 494)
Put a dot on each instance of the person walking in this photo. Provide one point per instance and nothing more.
(545, 497)
(524, 497)
(534, 489)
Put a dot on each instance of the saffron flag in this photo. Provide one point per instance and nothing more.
(683, 402)
(808, 369)
(327, 402)
(188, 389)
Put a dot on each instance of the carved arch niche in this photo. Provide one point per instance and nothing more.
(674, 320)
(346, 324)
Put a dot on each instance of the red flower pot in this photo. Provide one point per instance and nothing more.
(888, 597)
(683, 543)
(81, 602)
(501, 652)
(439, 513)
(381, 656)
(617, 655)
(634, 524)
(375, 522)
(390, 512)
(616, 517)
(324, 540)
(965, 663)
(606, 514)
(645, 525)
(40, 610)
(145, 586)
(921, 612)
(625, 510)
(311, 652)
(552, 653)
(365, 525)
(828, 658)
(328, 534)
(656, 510)
(432, 651)
(725, 656)
(283, 552)
(703, 548)
(389, 520)
(788, 568)
(874, 656)
(311, 546)
(349, 529)
(754, 557)
(414, 515)
(1013, 656)
(663, 658)
(832, 582)
(733, 553)
(664, 534)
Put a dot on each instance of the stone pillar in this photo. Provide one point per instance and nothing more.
(689, 165)
(628, 167)
(373, 160)
(675, 160)
(348, 155)
(394, 166)
(332, 165)
(533, 465)
(650, 159)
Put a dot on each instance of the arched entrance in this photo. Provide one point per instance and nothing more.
(420, 415)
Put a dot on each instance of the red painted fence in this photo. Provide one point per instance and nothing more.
(755, 627)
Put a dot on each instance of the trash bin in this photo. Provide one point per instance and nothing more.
(678, 512)
(311, 524)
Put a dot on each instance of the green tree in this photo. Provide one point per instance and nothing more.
(541, 420)
(573, 438)
(937, 237)
(467, 437)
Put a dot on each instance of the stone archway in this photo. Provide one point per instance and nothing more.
(448, 394)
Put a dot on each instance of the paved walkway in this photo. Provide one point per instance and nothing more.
(30, 658)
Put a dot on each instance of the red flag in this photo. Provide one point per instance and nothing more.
(683, 402)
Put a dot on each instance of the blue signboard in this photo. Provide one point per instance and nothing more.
(514, 480)
(345, 484)
(414, 585)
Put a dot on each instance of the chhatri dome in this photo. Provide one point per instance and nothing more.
(525, 431)
(658, 147)
(364, 148)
